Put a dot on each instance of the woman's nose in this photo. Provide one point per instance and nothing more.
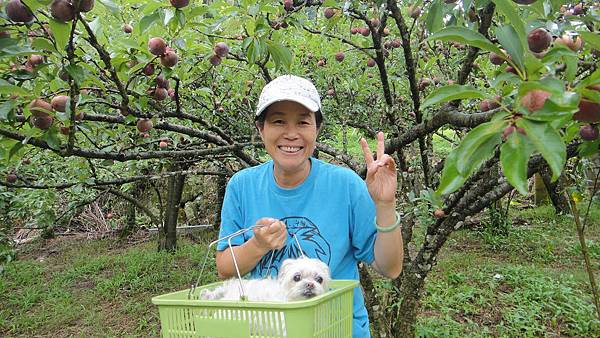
(291, 131)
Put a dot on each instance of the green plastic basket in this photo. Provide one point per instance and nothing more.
(327, 315)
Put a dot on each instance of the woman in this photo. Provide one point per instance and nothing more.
(335, 216)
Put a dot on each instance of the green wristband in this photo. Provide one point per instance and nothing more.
(391, 227)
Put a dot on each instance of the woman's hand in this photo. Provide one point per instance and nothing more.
(272, 235)
(381, 173)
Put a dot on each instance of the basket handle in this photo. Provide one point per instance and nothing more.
(237, 270)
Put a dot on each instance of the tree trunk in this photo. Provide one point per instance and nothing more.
(221, 185)
(540, 193)
(561, 205)
(409, 287)
(371, 301)
(167, 238)
(130, 224)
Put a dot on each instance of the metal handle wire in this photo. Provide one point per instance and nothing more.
(237, 270)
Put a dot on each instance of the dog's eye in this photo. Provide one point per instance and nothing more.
(319, 279)
(297, 277)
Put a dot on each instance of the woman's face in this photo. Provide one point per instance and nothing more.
(290, 135)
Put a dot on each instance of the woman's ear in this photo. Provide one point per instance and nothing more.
(260, 126)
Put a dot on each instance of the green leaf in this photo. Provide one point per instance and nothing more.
(6, 108)
(451, 92)
(33, 4)
(571, 62)
(435, 16)
(51, 138)
(255, 50)
(533, 66)
(281, 55)
(508, 38)
(148, 20)
(96, 26)
(112, 7)
(451, 180)
(14, 149)
(151, 6)
(470, 149)
(169, 14)
(557, 53)
(588, 148)
(514, 157)
(552, 111)
(507, 8)
(61, 33)
(180, 16)
(591, 39)
(43, 44)
(465, 36)
(504, 77)
(548, 142)
(76, 72)
(7, 88)
(482, 153)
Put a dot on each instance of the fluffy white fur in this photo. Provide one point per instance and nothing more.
(298, 279)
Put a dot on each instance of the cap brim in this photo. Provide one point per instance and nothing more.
(306, 102)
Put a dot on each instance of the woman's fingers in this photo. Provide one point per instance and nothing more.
(366, 151)
(272, 234)
(380, 145)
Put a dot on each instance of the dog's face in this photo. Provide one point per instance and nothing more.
(303, 278)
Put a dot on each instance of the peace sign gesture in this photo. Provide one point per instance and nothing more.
(381, 173)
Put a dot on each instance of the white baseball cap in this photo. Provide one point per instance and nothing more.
(289, 88)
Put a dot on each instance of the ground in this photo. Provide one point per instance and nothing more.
(529, 282)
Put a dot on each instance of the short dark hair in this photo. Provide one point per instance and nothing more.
(260, 119)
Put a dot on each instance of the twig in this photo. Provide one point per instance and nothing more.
(584, 251)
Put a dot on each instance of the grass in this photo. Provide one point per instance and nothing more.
(528, 283)
(92, 288)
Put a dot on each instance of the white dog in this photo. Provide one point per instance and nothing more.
(298, 279)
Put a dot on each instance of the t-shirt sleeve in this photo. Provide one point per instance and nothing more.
(231, 214)
(362, 225)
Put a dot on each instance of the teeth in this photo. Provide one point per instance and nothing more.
(289, 149)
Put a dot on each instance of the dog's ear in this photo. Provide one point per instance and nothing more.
(324, 267)
(284, 267)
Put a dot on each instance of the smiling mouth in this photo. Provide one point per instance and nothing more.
(290, 149)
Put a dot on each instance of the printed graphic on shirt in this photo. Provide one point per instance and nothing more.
(311, 241)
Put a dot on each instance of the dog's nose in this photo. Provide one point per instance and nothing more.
(310, 286)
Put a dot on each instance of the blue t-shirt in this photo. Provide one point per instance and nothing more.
(331, 213)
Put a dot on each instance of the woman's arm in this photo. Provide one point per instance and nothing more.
(382, 184)
(270, 235)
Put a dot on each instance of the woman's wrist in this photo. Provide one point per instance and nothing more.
(386, 227)
(255, 248)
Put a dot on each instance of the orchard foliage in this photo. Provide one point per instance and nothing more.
(540, 86)
(127, 81)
